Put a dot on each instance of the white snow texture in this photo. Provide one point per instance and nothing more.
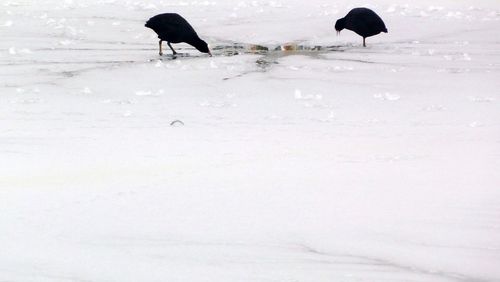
(317, 160)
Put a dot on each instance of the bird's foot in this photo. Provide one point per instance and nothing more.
(161, 53)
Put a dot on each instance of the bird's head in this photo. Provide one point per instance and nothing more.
(202, 46)
(340, 25)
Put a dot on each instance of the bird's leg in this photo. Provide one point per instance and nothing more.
(364, 42)
(161, 52)
(175, 53)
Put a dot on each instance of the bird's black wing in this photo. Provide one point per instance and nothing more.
(171, 27)
(364, 22)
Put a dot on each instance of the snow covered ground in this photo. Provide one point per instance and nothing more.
(331, 163)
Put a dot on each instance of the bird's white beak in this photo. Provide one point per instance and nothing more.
(338, 33)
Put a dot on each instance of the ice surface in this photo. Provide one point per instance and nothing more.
(291, 155)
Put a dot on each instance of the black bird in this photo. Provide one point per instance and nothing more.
(363, 21)
(173, 28)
